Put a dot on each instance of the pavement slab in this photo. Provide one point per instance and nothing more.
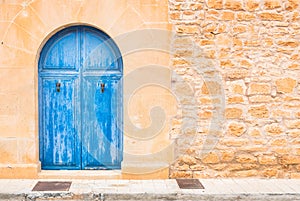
(214, 190)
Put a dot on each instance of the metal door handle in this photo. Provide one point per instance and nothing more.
(58, 87)
(102, 87)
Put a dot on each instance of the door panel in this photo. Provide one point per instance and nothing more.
(98, 53)
(64, 52)
(60, 132)
(101, 136)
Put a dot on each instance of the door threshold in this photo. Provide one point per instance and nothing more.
(80, 174)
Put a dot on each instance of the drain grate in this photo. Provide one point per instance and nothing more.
(189, 184)
(52, 186)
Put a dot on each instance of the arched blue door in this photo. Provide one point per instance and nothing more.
(80, 101)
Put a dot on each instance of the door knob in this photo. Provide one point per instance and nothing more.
(58, 87)
(102, 87)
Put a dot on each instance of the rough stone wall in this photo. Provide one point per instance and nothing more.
(241, 60)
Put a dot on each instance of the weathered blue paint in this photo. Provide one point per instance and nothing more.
(101, 111)
(80, 101)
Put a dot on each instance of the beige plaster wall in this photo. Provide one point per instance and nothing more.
(25, 25)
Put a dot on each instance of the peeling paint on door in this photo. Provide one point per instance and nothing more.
(80, 101)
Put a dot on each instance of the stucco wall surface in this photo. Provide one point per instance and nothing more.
(26, 25)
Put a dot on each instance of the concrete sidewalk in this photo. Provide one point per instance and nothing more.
(215, 189)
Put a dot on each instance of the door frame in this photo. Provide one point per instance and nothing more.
(42, 48)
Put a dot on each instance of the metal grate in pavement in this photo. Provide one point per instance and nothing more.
(52, 186)
(189, 184)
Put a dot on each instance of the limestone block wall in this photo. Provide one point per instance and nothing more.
(241, 60)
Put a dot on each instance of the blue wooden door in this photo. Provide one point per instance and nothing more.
(80, 101)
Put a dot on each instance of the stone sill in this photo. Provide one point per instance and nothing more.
(80, 174)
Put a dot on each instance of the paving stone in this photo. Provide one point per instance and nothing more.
(215, 189)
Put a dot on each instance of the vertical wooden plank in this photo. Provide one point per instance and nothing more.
(117, 117)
